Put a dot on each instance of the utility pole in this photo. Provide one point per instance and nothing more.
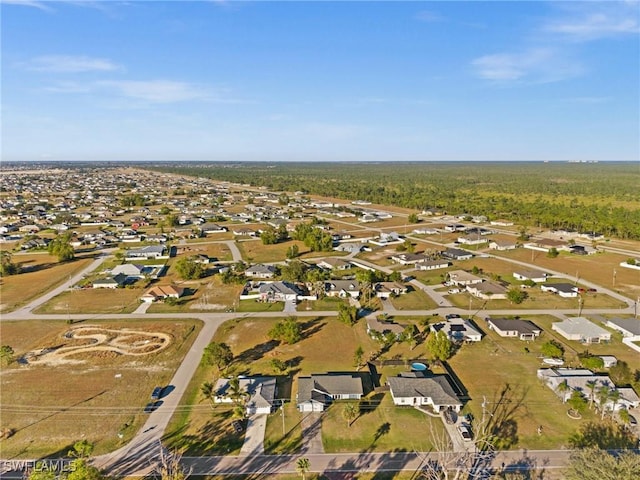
(579, 305)
(282, 409)
(614, 277)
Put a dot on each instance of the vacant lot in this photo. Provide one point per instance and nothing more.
(97, 396)
(41, 273)
(255, 252)
(101, 300)
(597, 268)
(206, 294)
(414, 300)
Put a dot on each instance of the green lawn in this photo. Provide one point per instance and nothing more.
(382, 429)
(322, 305)
(279, 441)
(414, 300)
(255, 306)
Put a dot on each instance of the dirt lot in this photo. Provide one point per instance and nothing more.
(84, 380)
(101, 300)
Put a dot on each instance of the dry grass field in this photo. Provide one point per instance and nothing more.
(414, 300)
(206, 294)
(89, 300)
(255, 252)
(207, 247)
(594, 268)
(43, 273)
(94, 395)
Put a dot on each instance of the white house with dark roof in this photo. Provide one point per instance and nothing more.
(527, 274)
(317, 391)
(488, 290)
(433, 264)
(260, 271)
(149, 252)
(517, 328)
(581, 330)
(279, 291)
(417, 389)
(462, 278)
(334, 264)
(629, 327)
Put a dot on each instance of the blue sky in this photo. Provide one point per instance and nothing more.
(334, 81)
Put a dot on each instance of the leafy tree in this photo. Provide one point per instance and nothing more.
(294, 271)
(287, 331)
(269, 236)
(553, 252)
(440, 346)
(577, 402)
(395, 276)
(348, 314)
(620, 374)
(293, 251)
(7, 267)
(189, 269)
(81, 449)
(61, 248)
(37, 474)
(413, 218)
(218, 354)
(552, 349)
(303, 466)
(278, 366)
(593, 463)
(81, 470)
(6, 354)
(516, 295)
(409, 335)
(350, 412)
(591, 362)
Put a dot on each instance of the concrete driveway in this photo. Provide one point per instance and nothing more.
(254, 436)
(312, 433)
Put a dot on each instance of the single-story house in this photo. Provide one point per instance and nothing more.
(457, 254)
(260, 271)
(387, 289)
(244, 232)
(629, 327)
(260, 390)
(488, 290)
(523, 329)
(110, 281)
(417, 389)
(130, 270)
(334, 264)
(207, 228)
(458, 329)
(433, 264)
(342, 288)
(581, 330)
(279, 291)
(502, 245)
(151, 251)
(381, 327)
(426, 231)
(546, 244)
(608, 361)
(462, 278)
(565, 290)
(318, 391)
(162, 292)
(472, 240)
(409, 258)
(533, 275)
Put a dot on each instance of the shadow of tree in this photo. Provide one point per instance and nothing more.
(606, 435)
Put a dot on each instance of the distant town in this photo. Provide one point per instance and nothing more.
(251, 330)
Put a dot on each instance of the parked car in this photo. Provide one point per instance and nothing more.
(237, 426)
(453, 290)
(632, 421)
(449, 417)
(157, 393)
(465, 432)
(152, 407)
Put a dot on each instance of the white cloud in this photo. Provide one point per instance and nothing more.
(536, 65)
(70, 64)
(594, 20)
(28, 3)
(156, 91)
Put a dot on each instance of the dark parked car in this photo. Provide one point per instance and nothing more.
(152, 407)
(237, 426)
(157, 393)
(449, 417)
(632, 421)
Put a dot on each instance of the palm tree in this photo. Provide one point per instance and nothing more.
(208, 391)
(563, 388)
(302, 466)
(603, 396)
(591, 385)
(614, 396)
(235, 392)
(350, 413)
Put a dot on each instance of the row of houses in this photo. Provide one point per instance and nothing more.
(316, 392)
